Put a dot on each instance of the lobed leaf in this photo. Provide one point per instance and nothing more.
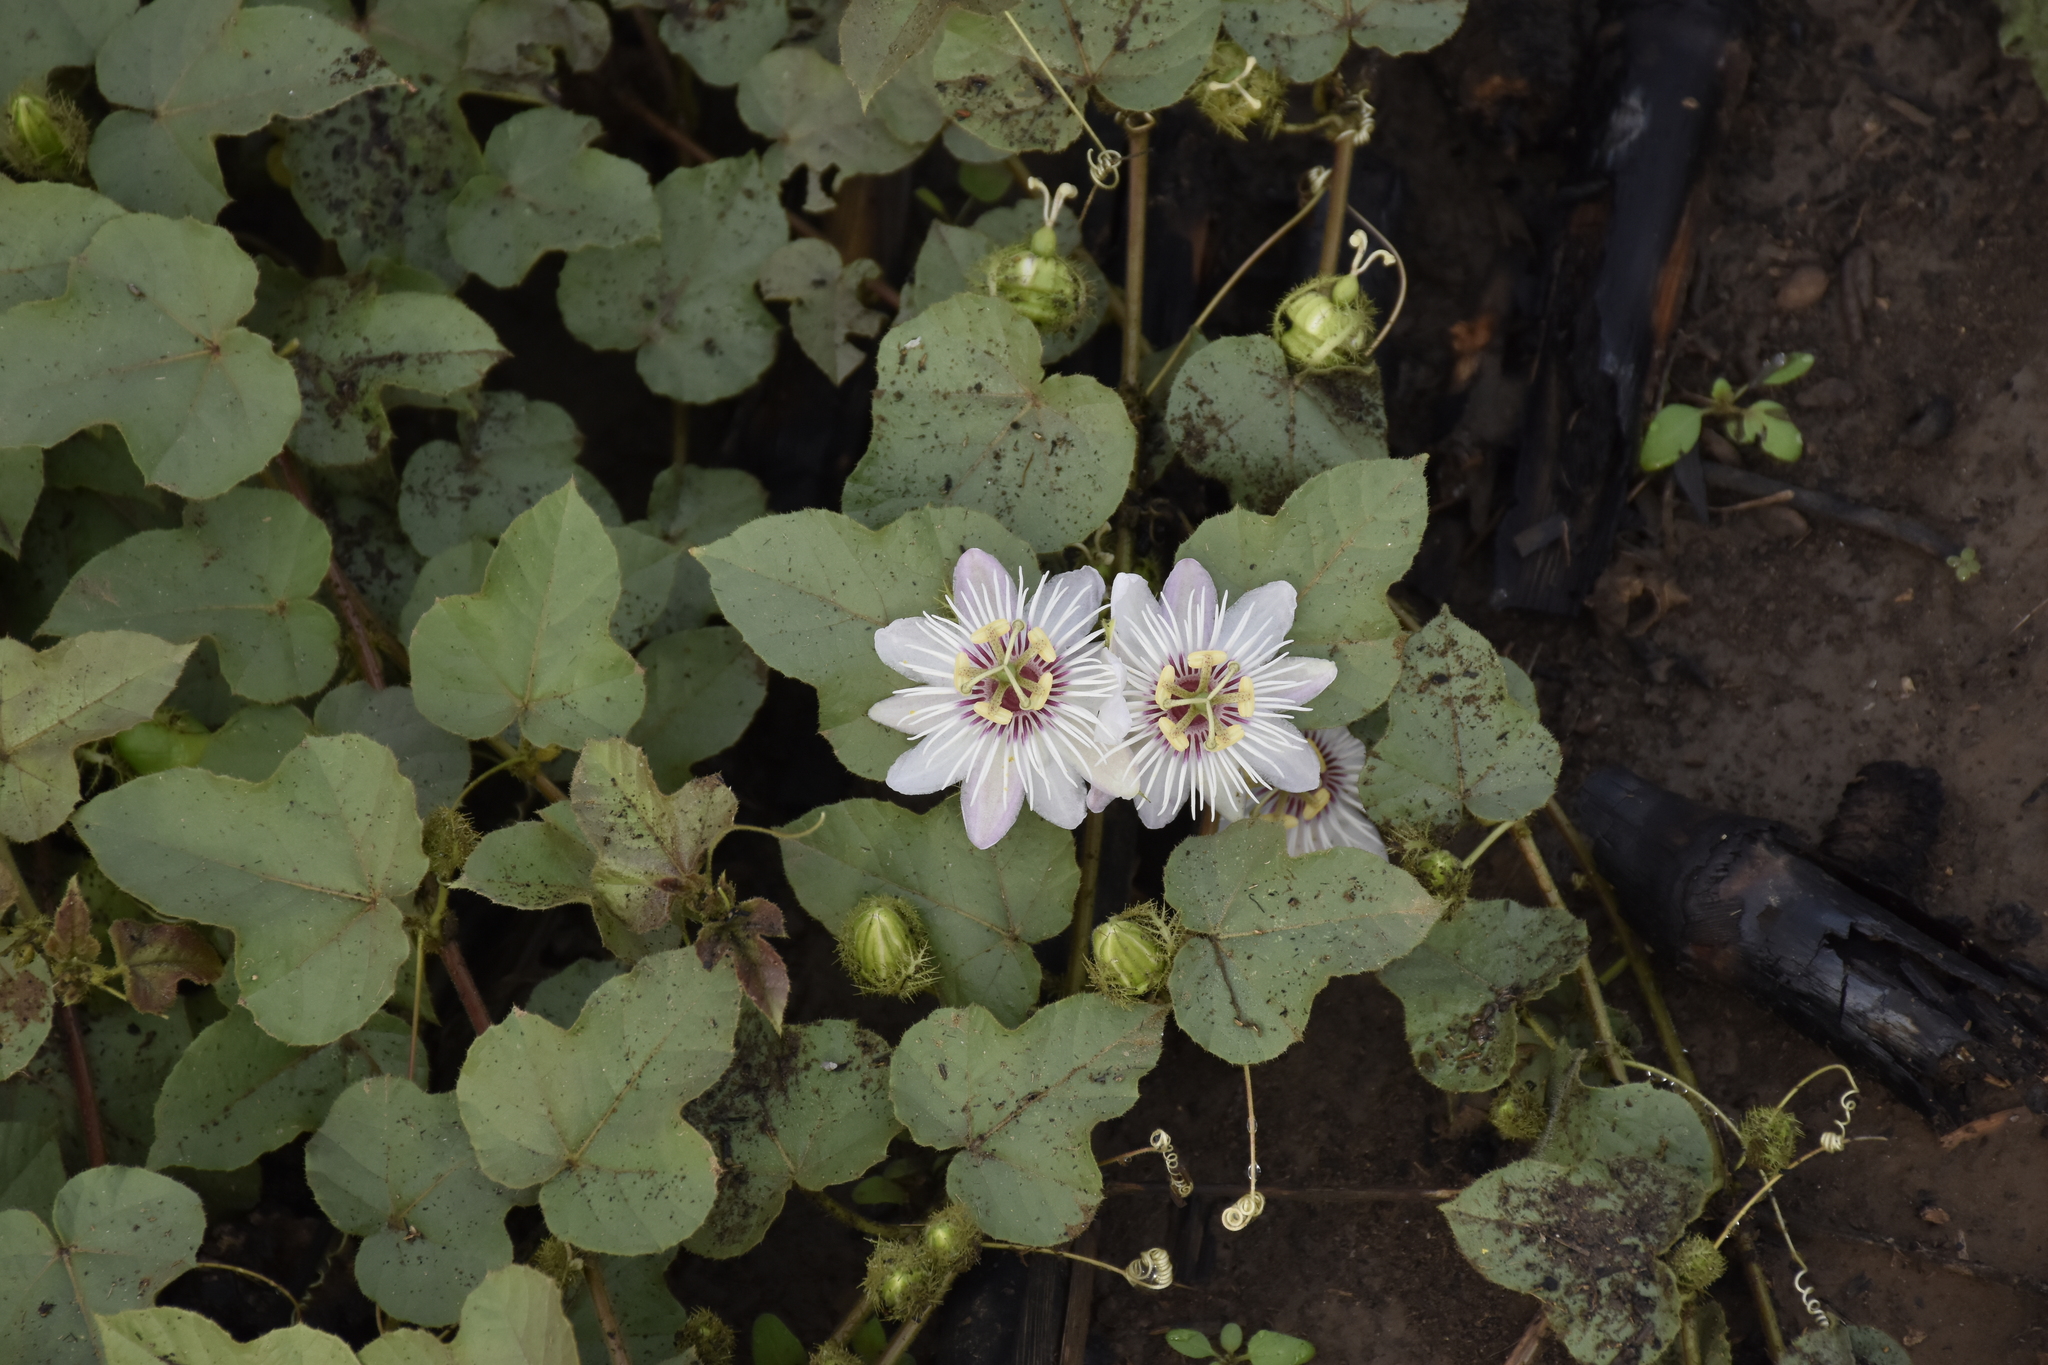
(509, 454)
(309, 870)
(31, 1166)
(810, 111)
(694, 506)
(648, 1314)
(42, 225)
(1305, 39)
(1020, 1104)
(544, 188)
(720, 39)
(129, 1055)
(26, 1005)
(647, 581)
(703, 688)
(36, 39)
(825, 307)
(650, 847)
(533, 865)
(521, 37)
(434, 761)
(148, 1336)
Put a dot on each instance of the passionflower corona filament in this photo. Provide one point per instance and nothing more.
(1018, 701)
(1210, 689)
(1329, 814)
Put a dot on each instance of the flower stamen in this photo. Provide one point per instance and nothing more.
(1182, 701)
(1017, 672)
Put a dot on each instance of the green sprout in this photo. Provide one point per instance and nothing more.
(1675, 430)
(1264, 1348)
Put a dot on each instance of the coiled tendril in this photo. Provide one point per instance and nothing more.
(1152, 1270)
(1178, 1178)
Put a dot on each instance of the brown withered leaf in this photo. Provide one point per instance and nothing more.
(1635, 593)
(743, 936)
(71, 946)
(157, 957)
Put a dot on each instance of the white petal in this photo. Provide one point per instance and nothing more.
(1281, 756)
(933, 765)
(1257, 623)
(1056, 796)
(1113, 721)
(913, 648)
(1067, 606)
(1131, 596)
(1190, 594)
(914, 710)
(1099, 799)
(990, 797)
(1294, 679)
(982, 589)
(1115, 775)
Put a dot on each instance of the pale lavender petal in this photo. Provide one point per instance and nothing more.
(915, 710)
(1056, 796)
(1190, 594)
(983, 588)
(1114, 775)
(1099, 799)
(1281, 756)
(1257, 623)
(1067, 606)
(1113, 721)
(990, 797)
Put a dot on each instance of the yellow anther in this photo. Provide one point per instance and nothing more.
(990, 633)
(1317, 801)
(1277, 817)
(1041, 645)
(1040, 693)
(1175, 735)
(965, 674)
(1244, 697)
(1162, 693)
(993, 713)
(1208, 658)
(1222, 737)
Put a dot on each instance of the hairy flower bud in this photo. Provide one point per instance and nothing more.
(1131, 954)
(155, 746)
(1517, 1118)
(951, 1239)
(902, 1282)
(448, 839)
(45, 136)
(1325, 324)
(1696, 1263)
(557, 1260)
(1770, 1139)
(883, 948)
(832, 1353)
(1442, 873)
(1033, 278)
(704, 1332)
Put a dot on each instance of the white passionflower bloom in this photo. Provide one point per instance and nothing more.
(1328, 815)
(1210, 692)
(1018, 701)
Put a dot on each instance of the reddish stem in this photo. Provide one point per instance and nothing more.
(465, 986)
(607, 1315)
(355, 613)
(81, 1082)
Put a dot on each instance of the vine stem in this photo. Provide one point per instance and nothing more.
(1138, 166)
(419, 977)
(355, 613)
(1083, 924)
(839, 1213)
(1531, 1340)
(1589, 980)
(848, 1325)
(1472, 858)
(1115, 1270)
(607, 1315)
(81, 1082)
(465, 985)
(298, 1310)
(1340, 198)
(542, 783)
(900, 1343)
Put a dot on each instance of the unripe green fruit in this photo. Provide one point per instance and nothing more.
(157, 746)
(1696, 1263)
(1034, 279)
(832, 1353)
(1770, 1139)
(1325, 324)
(448, 839)
(1442, 873)
(902, 1282)
(1130, 959)
(951, 1239)
(1516, 1119)
(882, 947)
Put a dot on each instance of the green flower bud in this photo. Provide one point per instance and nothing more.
(1770, 1139)
(883, 948)
(1442, 873)
(557, 1260)
(902, 1281)
(1131, 954)
(1325, 324)
(45, 136)
(951, 1239)
(704, 1332)
(1516, 1118)
(448, 839)
(176, 741)
(1696, 1263)
(1034, 279)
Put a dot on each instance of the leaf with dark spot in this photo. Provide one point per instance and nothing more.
(157, 957)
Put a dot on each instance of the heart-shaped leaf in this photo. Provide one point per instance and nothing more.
(1020, 1105)
(686, 303)
(809, 1108)
(79, 690)
(191, 71)
(965, 417)
(650, 846)
(42, 226)
(981, 910)
(544, 188)
(1241, 414)
(392, 1165)
(825, 307)
(515, 1315)
(241, 572)
(590, 1114)
(1343, 538)
(720, 39)
(1269, 931)
(434, 761)
(532, 647)
(31, 1165)
(148, 1336)
(1461, 987)
(1456, 741)
(144, 337)
(809, 109)
(237, 1092)
(1305, 39)
(308, 869)
(703, 688)
(522, 37)
(512, 453)
(694, 506)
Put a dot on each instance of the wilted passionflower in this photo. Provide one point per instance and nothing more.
(1236, 92)
(1033, 277)
(1131, 954)
(1327, 323)
(883, 948)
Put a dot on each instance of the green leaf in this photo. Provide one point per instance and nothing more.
(1137, 54)
(254, 741)
(355, 343)
(147, 1336)
(237, 1092)
(648, 1313)
(1231, 1337)
(703, 688)
(1462, 987)
(1020, 1105)
(1275, 1348)
(129, 1054)
(1671, 433)
(309, 870)
(809, 109)
(964, 416)
(694, 506)
(144, 338)
(31, 1166)
(773, 1343)
(192, 71)
(371, 550)
(521, 37)
(1343, 538)
(434, 761)
(241, 572)
(376, 175)
(37, 38)
(1305, 39)
(532, 646)
(1778, 436)
(1723, 392)
(981, 910)
(1190, 1343)
(590, 1114)
(1269, 931)
(1789, 368)
(950, 263)
(42, 226)
(116, 1236)
(1844, 1344)
(809, 589)
(809, 1108)
(1455, 741)
(559, 999)
(650, 845)
(512, 452)
(407, 1346)
(1239, 413)
(720, 39)
(21, 487)
(877, 38)
(392, 1165)
(825, 306)
(533, 865)
(26, 1002)
(947, 264)
(687, 302)
(77, 691)
(544, 188)
(647, 581)
(455, 572)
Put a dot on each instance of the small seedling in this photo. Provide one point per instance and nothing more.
(1231, 1348)
(1675, 429)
